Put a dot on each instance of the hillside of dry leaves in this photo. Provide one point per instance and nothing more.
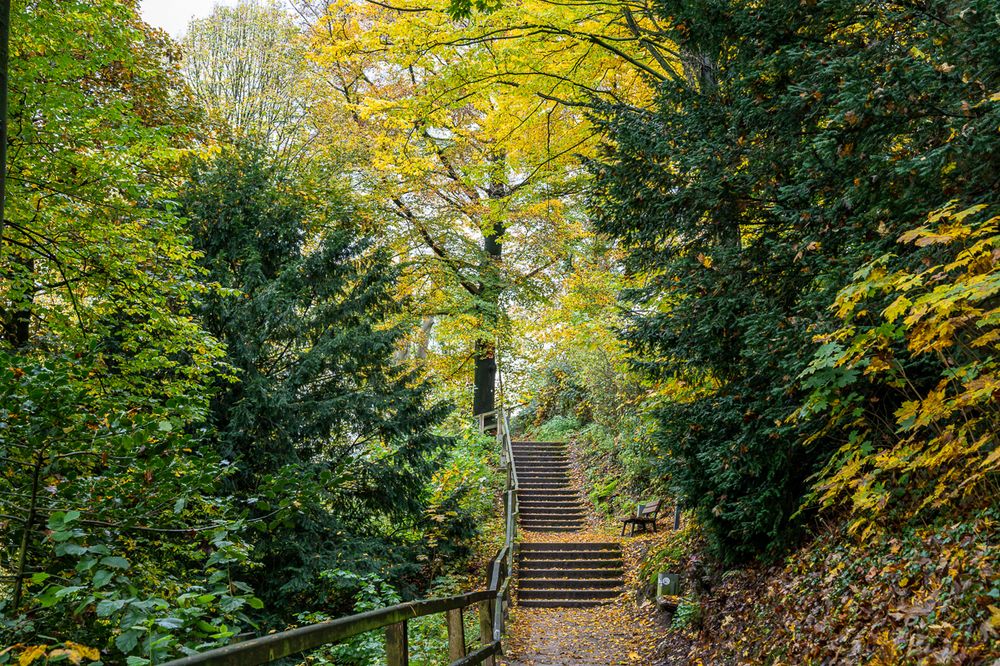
(916, 595)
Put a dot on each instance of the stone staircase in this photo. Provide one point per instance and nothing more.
(556, 574)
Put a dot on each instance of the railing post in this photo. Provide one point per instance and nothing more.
(397, 649)
(456, 634)
(486, 627)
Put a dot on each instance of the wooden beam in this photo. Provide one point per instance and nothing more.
(275, 646)
(479, 656)
(456, 634)
(397, 648)
(486, 628)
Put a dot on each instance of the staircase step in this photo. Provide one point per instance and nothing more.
(542, 525)
(578, 515)
(524, 451)
(535, 483)
(545, 469)
(610, 558)
(575, 564)
(561, 603)
(561, 476)
(560, 452)
(570, 583)
(570, 545)
(539, 449)
(537, 556)
(525, 442)
(549, 494)
(555, 468)
(528, 461)
(531, 528)
(607, 593)
(556, 503)
(614, 573)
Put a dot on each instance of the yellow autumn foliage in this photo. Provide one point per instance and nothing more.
(944, 437)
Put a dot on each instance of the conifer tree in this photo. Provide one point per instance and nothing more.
(317, 417)
(804, 140)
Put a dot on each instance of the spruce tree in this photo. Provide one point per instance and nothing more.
(323, 428)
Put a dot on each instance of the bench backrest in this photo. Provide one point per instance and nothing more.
(648, 510)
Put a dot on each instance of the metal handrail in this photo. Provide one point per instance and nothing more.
(272, 647)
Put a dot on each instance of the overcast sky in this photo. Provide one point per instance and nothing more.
(174, 15)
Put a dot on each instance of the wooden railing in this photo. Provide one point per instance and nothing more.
(493, 603)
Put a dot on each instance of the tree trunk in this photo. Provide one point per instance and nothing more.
(484, 394)
(4, 60)
(17, 328)
(485, 380)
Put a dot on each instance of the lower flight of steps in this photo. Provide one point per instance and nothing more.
(557, 575)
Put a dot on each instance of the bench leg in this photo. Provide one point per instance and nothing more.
(624, 525)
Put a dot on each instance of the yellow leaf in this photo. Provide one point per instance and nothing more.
(31, 654)
(93, 654)
(897, 308)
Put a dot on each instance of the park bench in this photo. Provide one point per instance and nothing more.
(645, 515)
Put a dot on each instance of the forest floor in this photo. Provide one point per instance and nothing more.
(622, 632)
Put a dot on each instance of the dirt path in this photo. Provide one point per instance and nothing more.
(613, 634)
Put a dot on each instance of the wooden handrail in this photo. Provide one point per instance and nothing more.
(275, 646)
(493, 603)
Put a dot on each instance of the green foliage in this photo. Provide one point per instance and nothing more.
(104, 373)
(556, 429)
(459, 498)
(321, 425)
(939, 448)
(688, 614)
(801, 140)
(137, 487)
(371, 592)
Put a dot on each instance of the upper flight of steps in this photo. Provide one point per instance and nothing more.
(558, 574)
(547, 501)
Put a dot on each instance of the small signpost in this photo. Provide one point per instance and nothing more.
(667, 584)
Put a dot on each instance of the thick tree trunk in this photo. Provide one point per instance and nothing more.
(484, 396)
(424, 343)
(17, 327)
(485, 378)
